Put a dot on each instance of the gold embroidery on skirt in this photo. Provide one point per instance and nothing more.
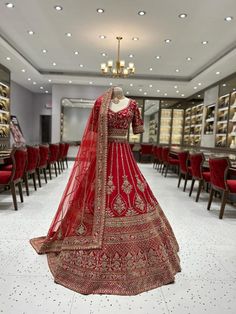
(126, 186)
(110, 185)
(140, 184)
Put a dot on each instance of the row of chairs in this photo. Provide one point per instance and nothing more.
(192, 167)
(29, 162)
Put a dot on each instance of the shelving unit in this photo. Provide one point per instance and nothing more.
(193, 125)
(222, 121)
(231, 140)
(209, 122)
(4, 116)
(177, 127)
(165, 126)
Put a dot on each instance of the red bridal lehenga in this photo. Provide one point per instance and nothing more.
(109, 234)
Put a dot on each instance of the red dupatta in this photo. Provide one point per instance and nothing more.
(79, 220)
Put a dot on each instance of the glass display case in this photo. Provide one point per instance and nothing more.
(177, 126)
(4, 108)
(209, 119)
(222, 121)
(165, 126)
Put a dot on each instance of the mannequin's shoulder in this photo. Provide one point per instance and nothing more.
(133, 103)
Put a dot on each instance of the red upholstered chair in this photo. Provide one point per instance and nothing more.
(159, 156)
(65, 153)
(154, 156)
(60, 157)
(32, 163)
(52, 160)
(184, 169)
(14, 176)
(43, 162)
(198, 174)
(168, 160)
(218, 171)
(146, 151)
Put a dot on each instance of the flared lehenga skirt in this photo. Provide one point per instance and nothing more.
(139, 250)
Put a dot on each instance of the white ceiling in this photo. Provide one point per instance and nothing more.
(205, 21)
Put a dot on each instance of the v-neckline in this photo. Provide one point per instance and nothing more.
(120, 109)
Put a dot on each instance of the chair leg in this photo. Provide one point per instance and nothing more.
(13, 192)
(180, 177)
(34, 180)
(45, 175)
(50, 171)
(167, 168)
(200, 185)
(66, 162)
(20, 192)
(223, 203)
(191, 189)
(185, 182)
(58, 166)
(26, 184)
(55, 167)
(210, 199)
(39, 179)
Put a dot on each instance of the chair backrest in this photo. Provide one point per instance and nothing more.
(218, 168)
(196, 161)
(183, 161)
(159, 153)
(43, 155)
(61, 150)
(165, 153)
(33, 157)
(146, 149)
(20, 158)
(66, 148)
(54, 150)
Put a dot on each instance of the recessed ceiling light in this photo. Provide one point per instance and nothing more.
(177, 70)
(177, 91)
(103, 54)
(145, 93)
(81, 65)
(141, 13)
(228, 18)
(189, 58)
(54, 64)
(204, 42)
(110, 83)
(58, 8)
(70, 82)
(8, 58)
(182, 95)
(167, 41)
(198, 96)
(23, 70)
(29, 79)
(131, 84)
(199, 84)
(175, 86)
(182, 15)
(127, 93)
(150, 85)
(158, 57)
(150, 69)
(46, 91)
(195, 87)
(44, 51)
(90, 83)
(234, 89)
(223, 85)
(34, 83)
(135, 38)
(102, 36)
(165, 94)
(49, 80)
(140, 90)
(9, 5)
(41, 87)
(100, 10)
(68, 34)
(218, 72)
(31, 32)
(76, 53)
(158, 91)
(131, 55)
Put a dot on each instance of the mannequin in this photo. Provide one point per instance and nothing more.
(118, 101)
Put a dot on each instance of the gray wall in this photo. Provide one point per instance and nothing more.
(60, 91)
(21, 106)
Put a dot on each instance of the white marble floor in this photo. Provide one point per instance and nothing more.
(207, 283)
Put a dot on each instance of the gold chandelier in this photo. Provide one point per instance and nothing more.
(119, 69)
